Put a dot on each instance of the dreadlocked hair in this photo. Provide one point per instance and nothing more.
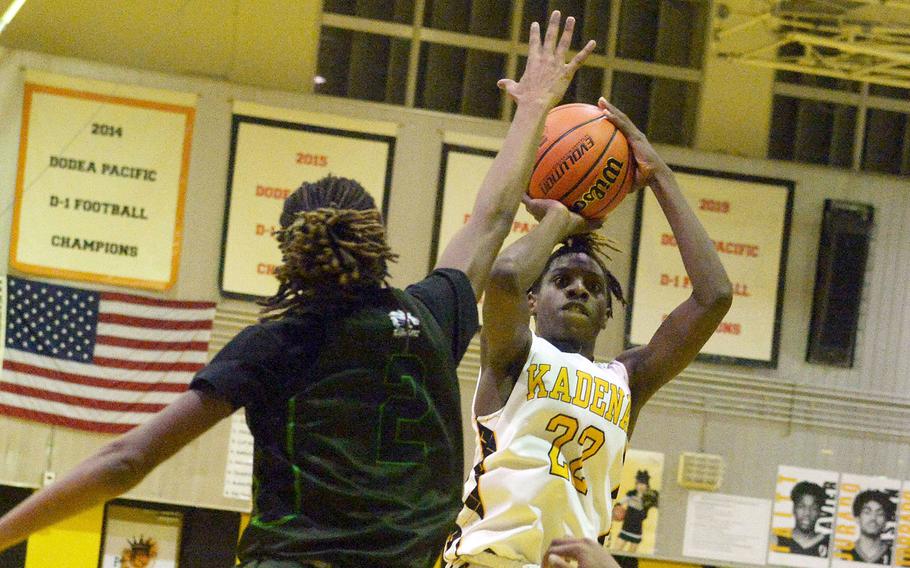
(333, 248)
(597, 247)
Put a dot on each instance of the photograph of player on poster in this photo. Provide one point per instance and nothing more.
(866, 521)
(635, 509)
(803, 521)
(140, 537)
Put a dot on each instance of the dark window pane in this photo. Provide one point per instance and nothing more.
(670, 32)
(592, 19)
(589, 85)
(632, 94)
(487, 18)
(480, 95)
(672, 114)
(457, 80)
(783, 131)
(332, 61)
(814, 132)
(893, 92)
(820, 81)
(638, 24)
(439, 77)
(680, 37)
(362, 66)
(883, 150)
(664, 109)
(401, 11)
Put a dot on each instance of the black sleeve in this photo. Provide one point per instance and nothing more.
(448, 294)
(242, 372)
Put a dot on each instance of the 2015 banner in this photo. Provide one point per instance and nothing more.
(101, 181)
(273, 151)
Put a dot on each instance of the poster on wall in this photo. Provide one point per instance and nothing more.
(637, 506)
(748, 219)
(466, 159)
(465, 162)
(238, 471)
(902, 545)
(866, 521)
(101, 181)
(273, 151)
(136, 536)
(729, 528)
(803, 521)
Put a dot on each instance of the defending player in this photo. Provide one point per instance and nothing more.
(349, 385)
(552, 423)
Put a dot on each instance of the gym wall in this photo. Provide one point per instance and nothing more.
(752, 439)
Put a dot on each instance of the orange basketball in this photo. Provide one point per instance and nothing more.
(582, 160)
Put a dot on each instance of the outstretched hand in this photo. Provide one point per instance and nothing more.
(646, 159)
(547, 75)
(539, 208)
(584, 551)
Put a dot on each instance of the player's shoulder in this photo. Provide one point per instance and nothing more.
(272, 338)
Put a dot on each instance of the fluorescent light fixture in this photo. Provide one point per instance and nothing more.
(10, 14)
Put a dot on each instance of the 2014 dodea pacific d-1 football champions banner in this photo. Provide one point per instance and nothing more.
(101, 181)
(748, 220)
(273, 151)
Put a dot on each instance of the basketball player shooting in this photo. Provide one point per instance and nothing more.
(552, 423)
(340, 359)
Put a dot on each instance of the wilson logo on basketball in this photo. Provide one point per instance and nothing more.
(568, 160)
(598, 191)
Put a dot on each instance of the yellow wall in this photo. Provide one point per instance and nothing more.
(74, 543)
(646, 563)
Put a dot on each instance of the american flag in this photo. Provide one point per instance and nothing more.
(99, 361)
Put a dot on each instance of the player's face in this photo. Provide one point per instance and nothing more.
(807, 511)
(572, 301)
(872, 519)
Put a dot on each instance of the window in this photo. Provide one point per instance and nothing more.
(836, 122)
(446, 55)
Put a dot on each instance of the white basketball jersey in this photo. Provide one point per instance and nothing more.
(547, 463)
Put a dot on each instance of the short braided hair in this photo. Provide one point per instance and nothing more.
(333, 248)
(595, 246)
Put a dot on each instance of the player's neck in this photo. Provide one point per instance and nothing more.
(574, 346)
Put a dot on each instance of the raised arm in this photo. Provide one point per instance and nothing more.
(688, 327)
(542, 85)
(505, 336)
(115, 468)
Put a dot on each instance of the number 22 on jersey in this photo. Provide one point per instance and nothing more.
(590, 439)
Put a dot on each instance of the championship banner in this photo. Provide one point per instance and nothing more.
(803, 520)
(637, 505)
(748, 219)
(866, 521)
(101, 181)
(273, 151)
(465, 162)
(902, 548)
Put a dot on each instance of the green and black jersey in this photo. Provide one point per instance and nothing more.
(357, 426)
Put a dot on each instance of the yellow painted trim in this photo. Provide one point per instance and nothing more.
(74, 543)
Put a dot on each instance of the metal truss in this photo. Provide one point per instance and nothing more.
(856, 40)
